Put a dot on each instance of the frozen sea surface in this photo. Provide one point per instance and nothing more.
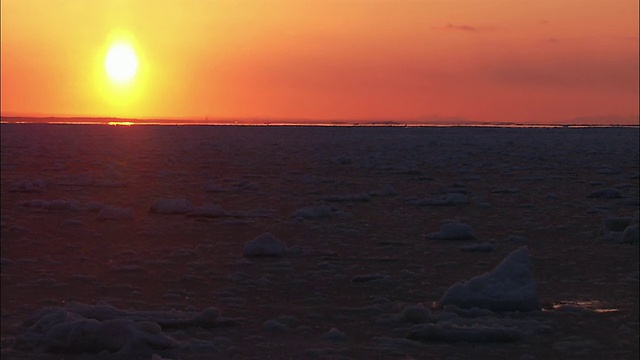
(151, 231)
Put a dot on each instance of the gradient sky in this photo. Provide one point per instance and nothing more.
(486, 60)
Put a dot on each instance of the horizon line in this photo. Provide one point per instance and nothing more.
(156, 122)
(614, 120)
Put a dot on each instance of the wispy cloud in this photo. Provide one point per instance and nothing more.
(465, 28)
(461, 27)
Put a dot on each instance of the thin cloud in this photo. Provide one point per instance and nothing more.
(467, 28)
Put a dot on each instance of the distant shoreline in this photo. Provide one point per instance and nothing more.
(266, 123)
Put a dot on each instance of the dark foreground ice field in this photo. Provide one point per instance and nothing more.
(185, 242)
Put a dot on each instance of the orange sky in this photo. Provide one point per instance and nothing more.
(486, 60)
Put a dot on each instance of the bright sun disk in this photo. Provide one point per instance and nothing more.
(121, 63)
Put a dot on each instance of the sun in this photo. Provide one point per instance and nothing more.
(121, 63)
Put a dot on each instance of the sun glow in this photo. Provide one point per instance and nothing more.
(412, 61)
(121, 74)
(121, 63)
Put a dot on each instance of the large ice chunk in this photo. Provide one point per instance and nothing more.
(510, 286)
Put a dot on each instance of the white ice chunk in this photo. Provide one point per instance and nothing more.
(264, 245)
(171, 206)
(453, 230)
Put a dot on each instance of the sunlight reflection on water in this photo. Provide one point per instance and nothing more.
(121, 123)
(596, 306)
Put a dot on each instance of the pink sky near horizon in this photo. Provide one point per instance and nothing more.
(537, 61)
